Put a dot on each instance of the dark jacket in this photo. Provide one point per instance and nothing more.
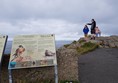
(86, 30)
(93, 25)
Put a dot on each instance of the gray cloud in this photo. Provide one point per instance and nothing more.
(65, 18)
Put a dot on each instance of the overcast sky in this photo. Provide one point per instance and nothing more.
(64, 18)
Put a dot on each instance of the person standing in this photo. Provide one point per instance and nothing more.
(93, 25)
(97, 32)
(86, 30)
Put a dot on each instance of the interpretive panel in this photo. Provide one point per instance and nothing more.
(33, 51)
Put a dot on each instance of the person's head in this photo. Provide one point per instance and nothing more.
(85, 26)
(92, 20)
(96, 26)
(21, 49)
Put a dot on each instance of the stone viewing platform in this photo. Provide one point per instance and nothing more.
(108, 42)
(67, 59)
(104, 42)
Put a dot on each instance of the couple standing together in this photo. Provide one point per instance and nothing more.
(94, 30)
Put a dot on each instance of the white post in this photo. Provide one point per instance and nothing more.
(10, 76)
(0, 72)
(56, 74)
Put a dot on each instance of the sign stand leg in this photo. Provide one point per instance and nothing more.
(10, 76)
(0, 72)
(56, 74)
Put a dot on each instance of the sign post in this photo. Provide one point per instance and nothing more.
(3, 40)
(56, 73)
(30, 51)
(10, 76)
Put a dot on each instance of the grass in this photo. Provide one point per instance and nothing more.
(81, 41)
(74, 42)
(87, 47)
(66, 45)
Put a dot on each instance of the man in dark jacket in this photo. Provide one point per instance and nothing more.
(93, 25)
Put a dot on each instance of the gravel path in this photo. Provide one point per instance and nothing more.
(99, 66)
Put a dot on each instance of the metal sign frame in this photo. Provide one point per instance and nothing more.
(2, 54)
(55, 74)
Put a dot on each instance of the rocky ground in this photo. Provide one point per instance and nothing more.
(107, 42)
(67, 58)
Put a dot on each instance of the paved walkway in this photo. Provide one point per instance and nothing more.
(99, 66)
